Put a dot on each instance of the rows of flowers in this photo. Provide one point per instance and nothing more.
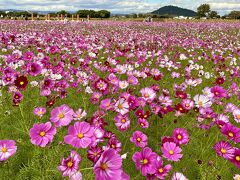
(123, 68)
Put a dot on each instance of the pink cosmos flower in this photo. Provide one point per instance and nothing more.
(42, 134)
(171, 151)
(70, 165)
(121, 106)
(143, 123)
(148, 94)
(139, 139)
(62, 116)
(162, 171)
(180, 136)
(224, 149)
(79, 114)
(7, 149)
(145, 161)
(80, 135)
(106, 104)
(109, 166)
(187, 104)
(39, 111)
(122, 122)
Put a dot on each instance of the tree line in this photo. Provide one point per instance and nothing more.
(81, 13)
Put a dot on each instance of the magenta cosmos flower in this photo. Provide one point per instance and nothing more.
(122, 122)
(161, 170)
(139, 139)
(109, 166)
(224, 149)
(7, 149)
(171, 151)
(62, 116)
(80, 135)
(42, 134)
(219, 92)
(231, 132)
(70, 165)
(236, 158)
(145, 161)
(180, 136)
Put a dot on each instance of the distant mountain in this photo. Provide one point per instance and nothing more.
(174, 11)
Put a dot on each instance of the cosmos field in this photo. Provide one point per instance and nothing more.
(110, 100)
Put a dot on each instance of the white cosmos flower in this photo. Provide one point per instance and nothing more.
(123, 84)
(207, 92)
(88, 90)
(121, 106)
(236, 114)
(148, 93)
(202, 101)
(236, 177)
(178, 176)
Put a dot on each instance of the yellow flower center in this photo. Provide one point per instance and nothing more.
(4, 149)
(42, 133)
(171, 152)
(237, 158)
(165, 108)
(95, 154)
(223, 151)
(120, 106)
(179, 137)
(238, 116)
(200, 103)
(80, 135)
(113, 146)
(141, 124)
(61, 115)
(138, 139)
(230, 134)
(123, 120)
(217, 93)
(146, 95)
(187, 105)
(21, 83)
(180, 109)
(69, 164)
(145, 161)
(160, 170)
(104, 166)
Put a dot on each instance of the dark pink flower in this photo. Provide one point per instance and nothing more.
(219, 92)
(231, 132)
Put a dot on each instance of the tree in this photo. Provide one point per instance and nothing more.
(213, 14)
(203, 10)
(104, 14)
(234, 15)
(63, 12)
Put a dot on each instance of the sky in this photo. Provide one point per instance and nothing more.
(117, 6)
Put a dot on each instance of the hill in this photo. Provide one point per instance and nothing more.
(174, 11)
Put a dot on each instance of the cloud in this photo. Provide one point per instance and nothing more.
(116, 6)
